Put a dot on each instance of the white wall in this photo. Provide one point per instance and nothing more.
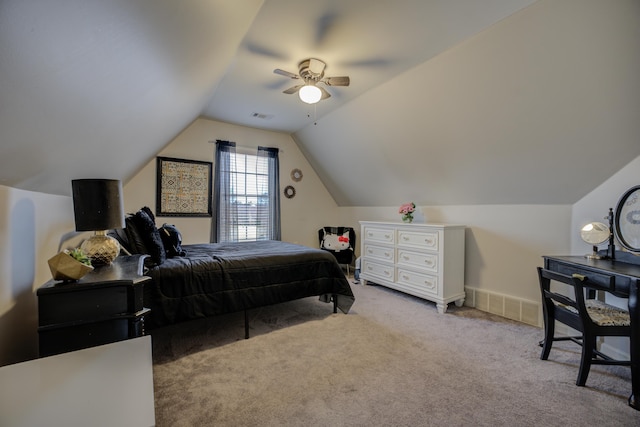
(310, 209)
(31, 225)
(539, 108)
(595, 205)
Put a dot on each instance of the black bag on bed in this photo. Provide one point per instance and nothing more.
(172, 240)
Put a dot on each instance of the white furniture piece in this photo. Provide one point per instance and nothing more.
(108, 385)
(424, 260)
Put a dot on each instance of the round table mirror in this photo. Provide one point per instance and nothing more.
(627, 220)
(595, 233)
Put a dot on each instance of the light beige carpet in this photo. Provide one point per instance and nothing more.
(392, 361)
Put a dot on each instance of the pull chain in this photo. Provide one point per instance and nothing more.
(315, 114)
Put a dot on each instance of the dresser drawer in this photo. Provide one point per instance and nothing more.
(90, 303)
(379, 252)
(425, 261)
(382, 235)
(418, 281)
(59, 339)
(418, 239)
(379, 270)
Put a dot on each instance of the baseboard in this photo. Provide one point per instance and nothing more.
(513, 308)
(614, 352)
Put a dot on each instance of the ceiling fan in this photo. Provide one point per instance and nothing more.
(311, 71)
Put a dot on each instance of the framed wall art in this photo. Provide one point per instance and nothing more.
(183, 187)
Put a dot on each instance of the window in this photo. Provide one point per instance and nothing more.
(250, 194)
(246, 195)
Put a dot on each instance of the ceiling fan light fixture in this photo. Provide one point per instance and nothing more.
(310, 94)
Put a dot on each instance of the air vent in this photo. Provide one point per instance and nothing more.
(262, 116)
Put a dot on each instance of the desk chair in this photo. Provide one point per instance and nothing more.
(591, 317)
(340, 241)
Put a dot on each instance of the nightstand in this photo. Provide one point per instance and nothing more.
(104, 306)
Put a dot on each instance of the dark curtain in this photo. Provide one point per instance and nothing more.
(271, 155)
(224, 218)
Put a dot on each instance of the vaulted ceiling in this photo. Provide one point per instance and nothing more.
(450, 102)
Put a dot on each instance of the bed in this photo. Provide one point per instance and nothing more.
(203, 280)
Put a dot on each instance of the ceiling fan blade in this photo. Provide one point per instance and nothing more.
(286, 73)
(265, 51)
(337, 81)
(325, 94)
(292, 89)
(316, 66)
(324, 24)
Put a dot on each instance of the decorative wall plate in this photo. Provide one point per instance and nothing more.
(296, 175)
(289, 192)
(627, 220)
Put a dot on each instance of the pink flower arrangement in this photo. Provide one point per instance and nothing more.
(407, 210)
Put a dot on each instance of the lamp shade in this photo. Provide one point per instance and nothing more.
(97, 204)
(310, 94)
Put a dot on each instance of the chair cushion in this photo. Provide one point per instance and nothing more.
(603, 314)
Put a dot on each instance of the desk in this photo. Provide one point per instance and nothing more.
(108, 385)
(619, 278)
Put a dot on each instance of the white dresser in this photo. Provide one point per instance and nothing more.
(425, 260)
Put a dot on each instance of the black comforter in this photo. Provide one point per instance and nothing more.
(220, 278)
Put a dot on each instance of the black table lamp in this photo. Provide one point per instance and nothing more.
(97, 205)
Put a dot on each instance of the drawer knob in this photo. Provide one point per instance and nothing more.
(405, 277)
(387, 254)
(428, 241)
(428, 262)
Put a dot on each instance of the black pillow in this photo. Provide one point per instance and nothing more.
(148, 211)
(134, 236)
(150, 235)
(172, 240)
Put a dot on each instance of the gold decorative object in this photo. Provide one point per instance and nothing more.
(65, 267)
(296, 175)
(289, 192)
(102, 249)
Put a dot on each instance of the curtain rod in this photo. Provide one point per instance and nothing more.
(280, 150)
